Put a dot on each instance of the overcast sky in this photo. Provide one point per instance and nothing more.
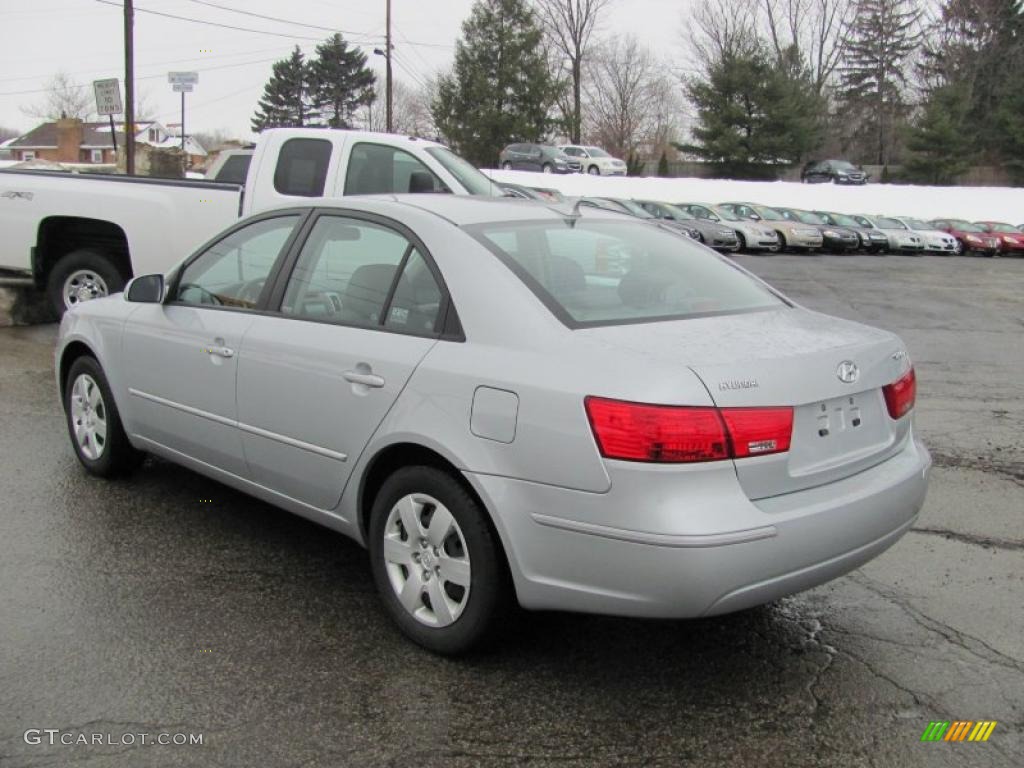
(84, 38)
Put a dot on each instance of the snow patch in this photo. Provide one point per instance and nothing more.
(971, 203)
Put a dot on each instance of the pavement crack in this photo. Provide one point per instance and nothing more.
(973, 645)
(989, 542)
(1011, 470)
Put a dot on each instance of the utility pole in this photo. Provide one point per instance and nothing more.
(129, 88)
(387, 60)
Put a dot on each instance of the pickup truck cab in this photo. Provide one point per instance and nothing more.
(80, 236)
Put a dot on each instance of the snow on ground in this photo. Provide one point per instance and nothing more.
(971, 203)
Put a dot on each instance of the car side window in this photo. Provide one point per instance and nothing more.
(416, 304)
(233, 271)
(345, 274)
(375, 169)
(302, 167)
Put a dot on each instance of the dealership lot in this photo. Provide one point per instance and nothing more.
(169, 603)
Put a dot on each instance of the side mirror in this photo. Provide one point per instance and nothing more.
(712, 217)
(421, 181)
(146, 289)
(754, 217)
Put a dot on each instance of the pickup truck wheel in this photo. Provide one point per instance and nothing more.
(94, 423)
(80, 276)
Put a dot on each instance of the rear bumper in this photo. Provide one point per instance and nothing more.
(675, 543)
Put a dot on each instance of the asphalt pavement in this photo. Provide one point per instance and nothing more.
(169, 604)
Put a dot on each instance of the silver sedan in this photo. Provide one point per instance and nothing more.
(509, 401)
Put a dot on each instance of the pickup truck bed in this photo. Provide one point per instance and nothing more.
(64, 232)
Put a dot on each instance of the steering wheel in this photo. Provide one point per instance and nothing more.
(204, 294)
(249, 292)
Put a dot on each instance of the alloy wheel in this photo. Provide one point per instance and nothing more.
(88, 417)
(427, 560)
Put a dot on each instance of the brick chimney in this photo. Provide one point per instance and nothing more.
(69, 140)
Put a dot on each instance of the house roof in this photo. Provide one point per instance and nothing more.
(44, 136)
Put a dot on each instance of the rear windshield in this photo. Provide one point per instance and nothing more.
(843, 221)
(769, 214)
(605, 272)
(809, 218)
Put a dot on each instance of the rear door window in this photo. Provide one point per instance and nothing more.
(302, 167)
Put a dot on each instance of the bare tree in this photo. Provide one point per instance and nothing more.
(410, 111)
(63, 97)
(817, 29)
(570, 24)
(720, 28)
(629, 99)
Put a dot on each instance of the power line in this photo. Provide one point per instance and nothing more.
(275, 18)
(214, 23)
(146, 77)
(153, 64)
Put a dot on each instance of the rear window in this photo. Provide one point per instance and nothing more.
(605, 272)
(234, 169)
(302, 167)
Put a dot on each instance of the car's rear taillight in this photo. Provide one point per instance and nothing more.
(682, 434)
(757, 431)
(900, 395)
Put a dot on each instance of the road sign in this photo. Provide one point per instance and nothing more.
(175, 78)
(182, 87)
(108, 96)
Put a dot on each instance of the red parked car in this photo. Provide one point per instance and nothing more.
(1011, 238)
(970, 238)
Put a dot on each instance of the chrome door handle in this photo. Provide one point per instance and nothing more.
(366, 379)
(221, 351)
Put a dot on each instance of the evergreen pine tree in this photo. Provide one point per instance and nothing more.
(500, 89)
(941, 146)
(285, 102)
(340, 82)
(873, 79)
(755, 114)
(663, 164)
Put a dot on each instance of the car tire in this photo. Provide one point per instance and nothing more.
(594, 170)
(506, 166)
(421, 492)
(960, 249)
(742, 243)
(782, 242)
(78, 273)
(546, 168)
(94, 423)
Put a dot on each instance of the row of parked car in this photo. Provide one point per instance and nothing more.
(751, 227)
(565, 158)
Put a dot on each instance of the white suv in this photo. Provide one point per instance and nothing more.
(595, 160)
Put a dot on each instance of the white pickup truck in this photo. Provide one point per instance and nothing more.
(79, 236)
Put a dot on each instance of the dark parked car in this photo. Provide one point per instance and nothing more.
(833, 171)
(871, 240)
(713, 235)
(537, 157)
(835, 239)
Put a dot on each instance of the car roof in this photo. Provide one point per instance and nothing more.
(467, 210)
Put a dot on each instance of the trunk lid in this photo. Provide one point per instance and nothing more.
(830, 371)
